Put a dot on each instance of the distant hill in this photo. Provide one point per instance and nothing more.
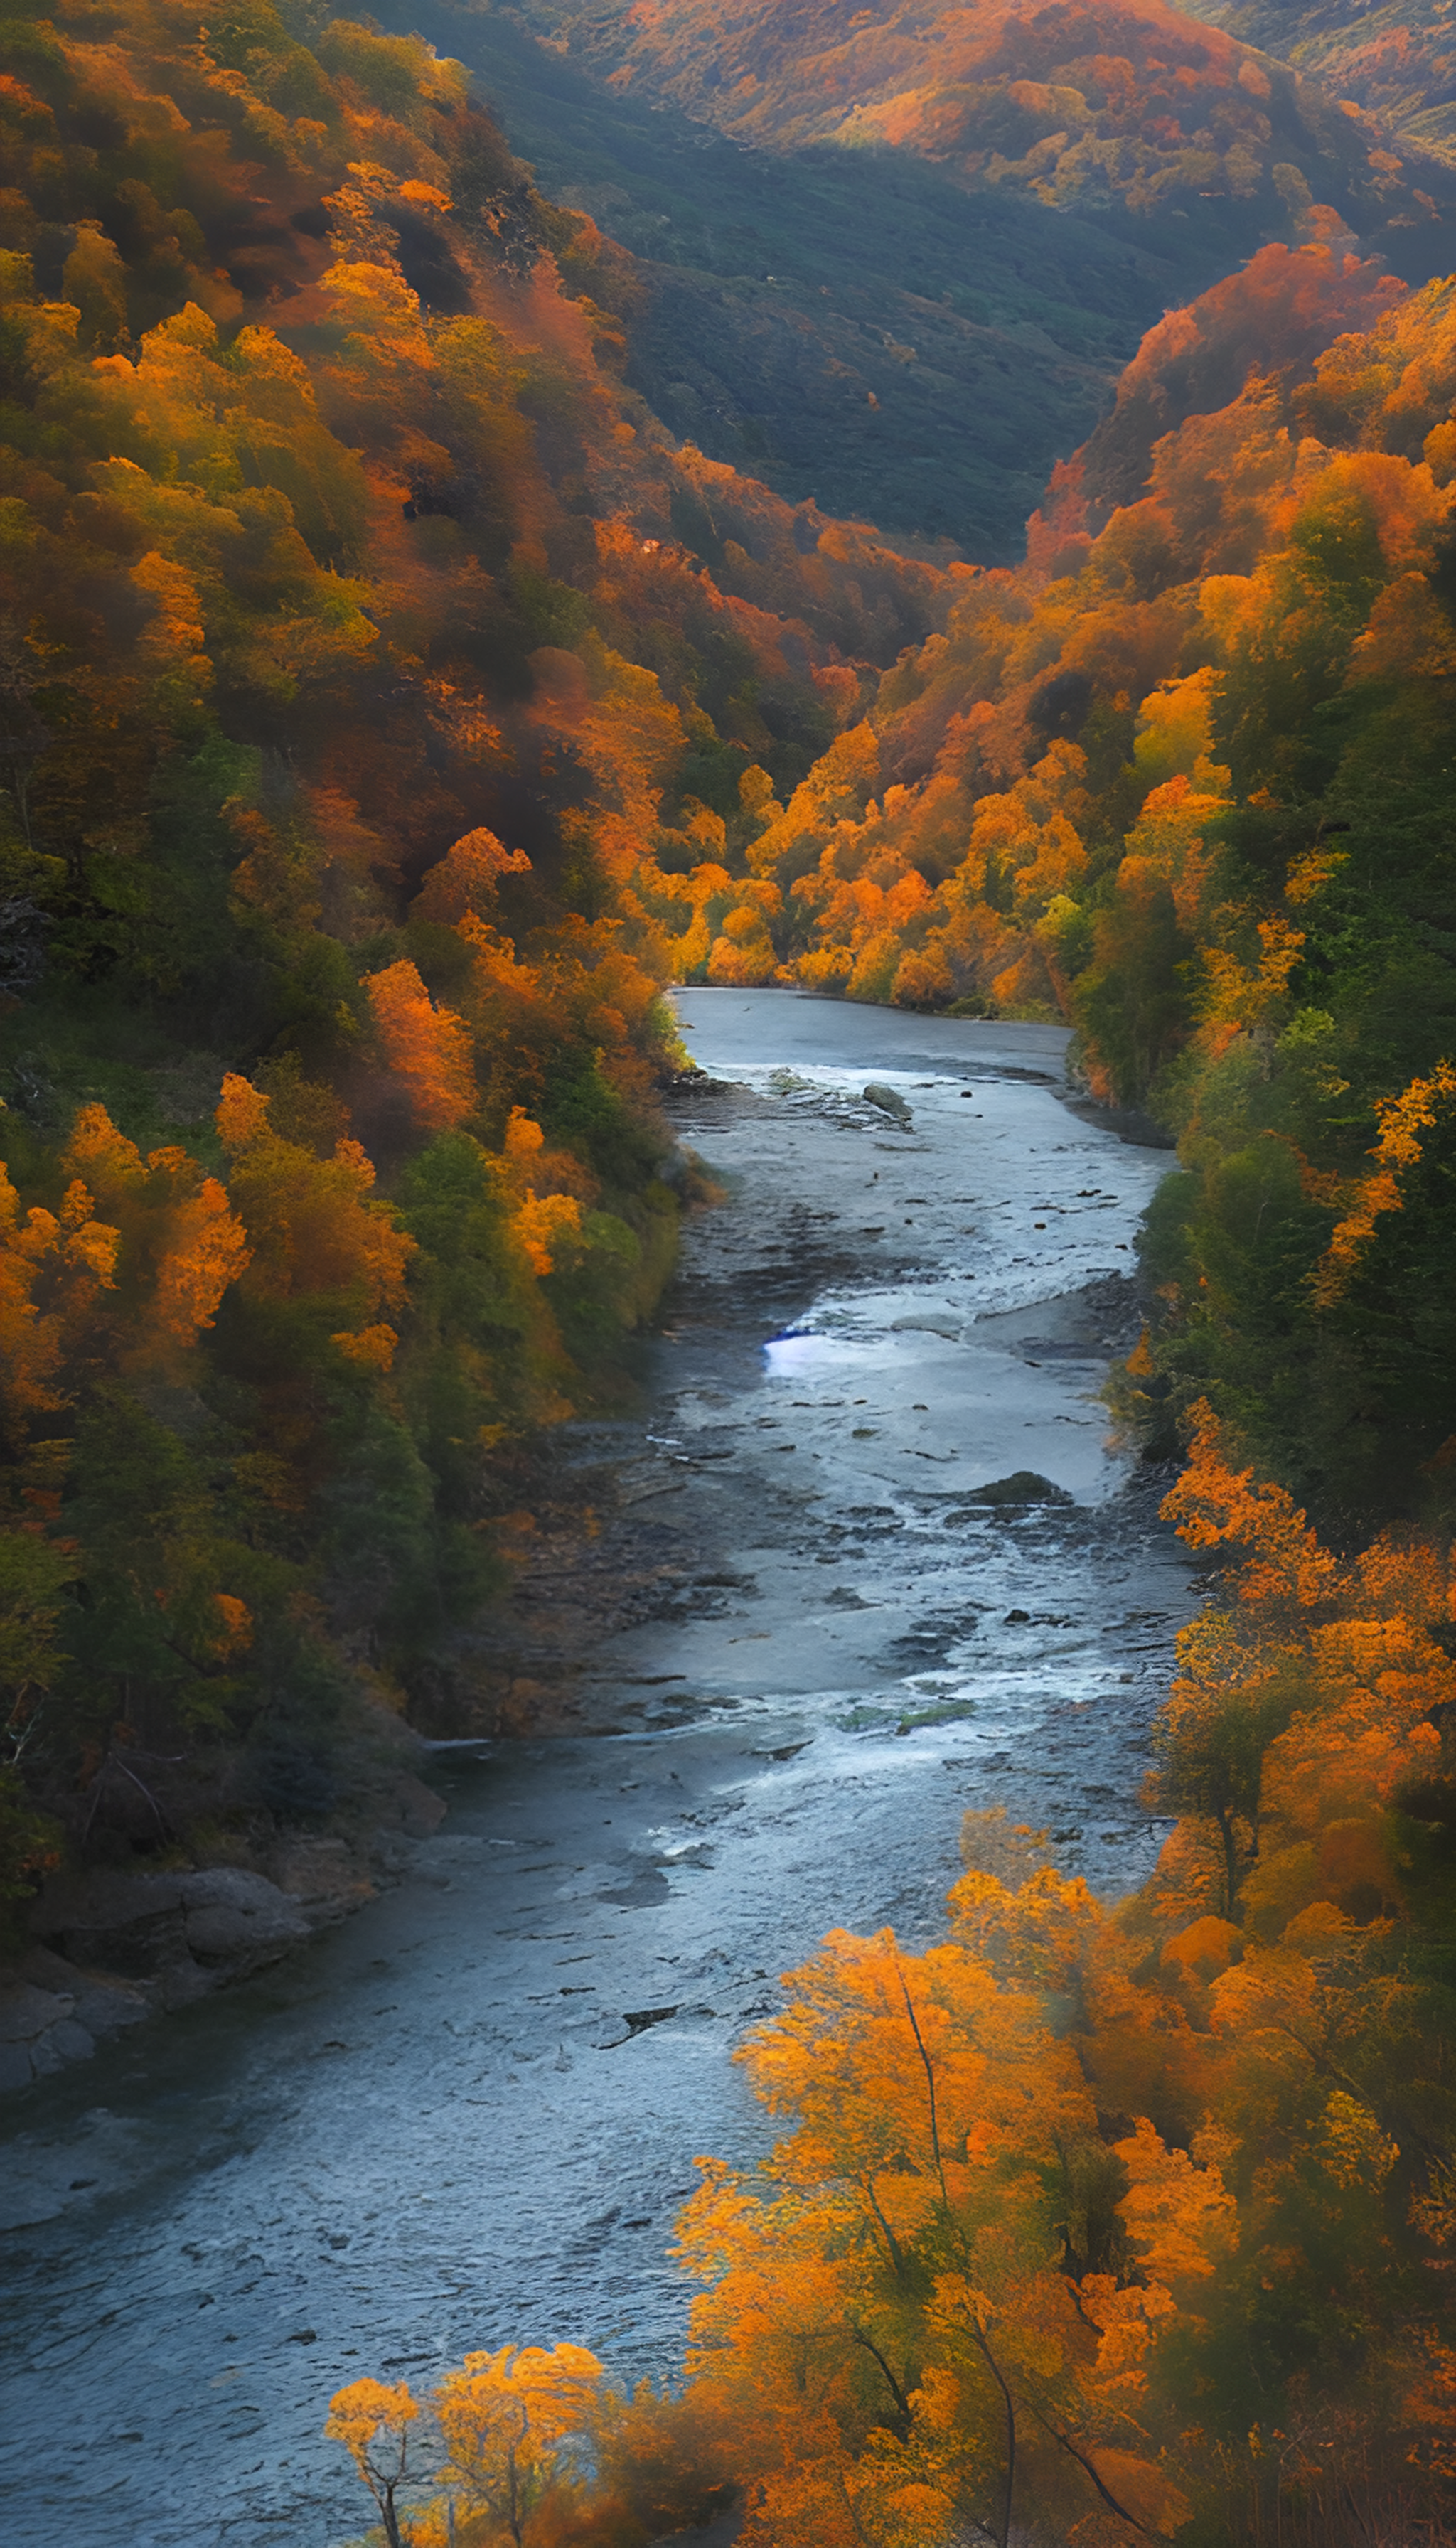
(1399, 62)
(1121, 110)
(846, 327)
(913, 296)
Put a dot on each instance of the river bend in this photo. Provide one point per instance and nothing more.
(469, 2116)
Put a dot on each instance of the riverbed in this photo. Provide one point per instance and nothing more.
(469, 2116)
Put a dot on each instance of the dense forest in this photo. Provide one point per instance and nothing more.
(1398, 61)
(949, 215)
(349, 662)
(1127, 109)
(1105, 2222)
(391, 710)
(1184, 780)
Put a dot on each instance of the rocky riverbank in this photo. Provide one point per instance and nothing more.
(862, 1559)
(630, 1530)
(112, 1947)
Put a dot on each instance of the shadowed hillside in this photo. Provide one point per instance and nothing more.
(915, 328)
(1107, 107)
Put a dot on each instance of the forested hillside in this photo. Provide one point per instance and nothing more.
(390, 711)
(1088, 2223)
(1130, 113)
(844, 328)
(1084, 2225)
(1184, 780)
(1397, 61)
(349, 661)
(897, 260)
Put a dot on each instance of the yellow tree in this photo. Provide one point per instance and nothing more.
(895, 2318)
(504, 2417)
(313, 1225)
(373, 2421)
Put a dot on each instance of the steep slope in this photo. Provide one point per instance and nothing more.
(849, 327)
(349, 664)
(897, 262)
(1399, 62)
(1124, 110)
(1183, 780)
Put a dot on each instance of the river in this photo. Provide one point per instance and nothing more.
(469, 2116)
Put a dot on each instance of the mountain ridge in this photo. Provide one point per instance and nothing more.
(854, 325)
(1126, 104)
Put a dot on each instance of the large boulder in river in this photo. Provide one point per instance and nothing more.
(889, 1101)
(1023, 1487)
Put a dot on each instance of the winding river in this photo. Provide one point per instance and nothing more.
(469, 2116)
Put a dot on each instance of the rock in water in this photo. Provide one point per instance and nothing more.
(889, 1101)
(1023, 1487)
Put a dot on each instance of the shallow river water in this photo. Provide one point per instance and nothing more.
(469, 2116)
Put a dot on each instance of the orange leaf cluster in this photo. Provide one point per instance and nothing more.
(1402, 1120)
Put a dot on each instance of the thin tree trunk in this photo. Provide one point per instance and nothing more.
(992, 2364)
(902, 2403)
(1104, 2491)
(1008, 2406)
(1230, 1862)
(897, 2257)
(514, 2513)
(930, 2082)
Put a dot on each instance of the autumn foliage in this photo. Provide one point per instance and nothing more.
(1122, 102)
(531, 2445)
(1101, 2223)
(350, 665)
(1098, 2223)
(375, 747)
(1180, 783)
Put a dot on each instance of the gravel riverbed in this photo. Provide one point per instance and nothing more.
(812, 1641)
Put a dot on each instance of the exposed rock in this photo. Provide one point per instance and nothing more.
(160, 1942)
(26, 2012)
(411, 1807)
(1023, 1487)
(15, 2066)
(638, 2020)
(43, 2028)
(62, 2043)
(326, 1877)
(125, 1923)
(181, 1982)
(101, 2005)
(111, 1947)
(235, 1918)
(889, 1101)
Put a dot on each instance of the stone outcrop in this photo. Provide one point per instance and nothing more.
(168, 1939)
(112, 1945)
(53, 2012)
